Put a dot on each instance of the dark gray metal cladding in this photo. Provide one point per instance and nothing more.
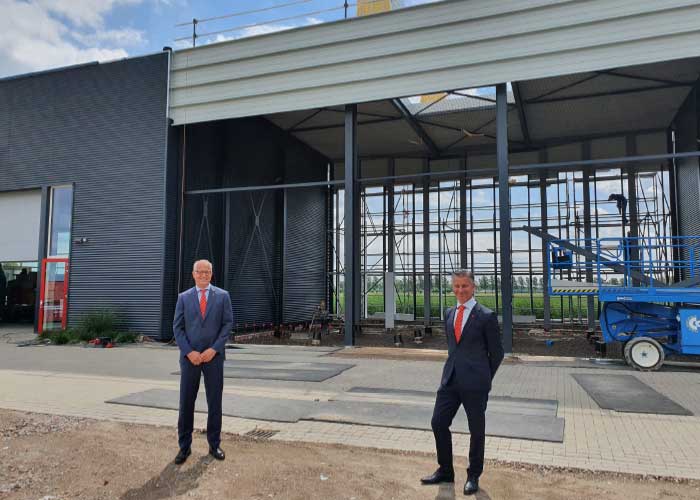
(101, 127)
(687, 174)
(305, 253)
(246, 232)
(255, 257)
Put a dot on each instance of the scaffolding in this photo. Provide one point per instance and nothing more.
(463, 215)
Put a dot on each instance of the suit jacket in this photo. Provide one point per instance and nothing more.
(194, 333)
(477, 356)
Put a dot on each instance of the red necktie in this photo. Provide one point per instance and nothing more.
(458, 323)
(203, 302)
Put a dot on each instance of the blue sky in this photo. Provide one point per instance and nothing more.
(42, 34)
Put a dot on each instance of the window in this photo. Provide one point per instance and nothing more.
(60, 221)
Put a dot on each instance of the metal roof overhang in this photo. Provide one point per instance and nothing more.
(554, 115)
(454, 44)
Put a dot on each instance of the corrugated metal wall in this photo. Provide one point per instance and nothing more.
(305, 277)
(102, 127)
(447, 45)
(687, 169)
(255, 268)
(253, 152)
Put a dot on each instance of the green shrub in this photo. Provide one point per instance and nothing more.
(97, 324)
(93, 325)
(124, 338)
(60, 338)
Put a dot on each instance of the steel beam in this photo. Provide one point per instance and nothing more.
(521, 112)
(269, 187)
(646, 78)
(342, 125)
(420, 131)
(593, 95)
(504, 215)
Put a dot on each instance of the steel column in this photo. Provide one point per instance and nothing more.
(544, 225)
(587, 233)
(426, 245)
(673, 203)
(631, 147)
(463, 217)
(351, 221)
(504, 215)
(391, 227)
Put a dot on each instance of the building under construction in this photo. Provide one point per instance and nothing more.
(357, 162)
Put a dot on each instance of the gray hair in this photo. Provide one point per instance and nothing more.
(205, 261)
(463, 273)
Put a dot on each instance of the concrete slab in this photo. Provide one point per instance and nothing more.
(279, 349)
(308, 371)
(497, 404)
(278, 410)
(500, 424)
(626, 393)
(513, 424)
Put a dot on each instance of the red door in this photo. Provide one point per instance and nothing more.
(53, 298)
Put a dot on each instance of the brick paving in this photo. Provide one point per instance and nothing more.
(68, 381)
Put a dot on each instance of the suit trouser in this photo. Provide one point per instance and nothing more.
(449, 398)
(190, 376)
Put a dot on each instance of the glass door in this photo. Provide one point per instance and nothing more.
(53, 302)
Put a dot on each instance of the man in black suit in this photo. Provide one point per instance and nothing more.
(474, 354)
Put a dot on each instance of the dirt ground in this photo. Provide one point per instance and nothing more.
(46, 457)
(526, 340)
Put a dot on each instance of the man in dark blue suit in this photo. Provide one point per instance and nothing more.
(474, 354)
(203, 322)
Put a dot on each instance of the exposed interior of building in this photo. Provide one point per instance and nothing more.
(591, 155)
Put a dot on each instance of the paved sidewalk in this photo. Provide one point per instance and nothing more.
(75, 381)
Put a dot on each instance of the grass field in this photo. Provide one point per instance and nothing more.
(573, 307)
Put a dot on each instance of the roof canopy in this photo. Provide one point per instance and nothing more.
(448, 45)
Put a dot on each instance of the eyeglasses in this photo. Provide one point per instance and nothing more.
(202, 272)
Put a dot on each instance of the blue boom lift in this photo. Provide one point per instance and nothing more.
(647, 290)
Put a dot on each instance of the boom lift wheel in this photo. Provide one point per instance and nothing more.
(644, 353)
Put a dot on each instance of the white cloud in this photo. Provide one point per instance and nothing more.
(607, 187)
(42, 34)
(123, 37)
(259, 29)
(264, 29)
(89, 13)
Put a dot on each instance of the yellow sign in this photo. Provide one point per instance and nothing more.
(369, 7)
(431, 98)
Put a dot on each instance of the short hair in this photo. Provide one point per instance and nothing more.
(194, 266)
(463, 273)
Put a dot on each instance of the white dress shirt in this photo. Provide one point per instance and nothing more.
(206, 294)
(468, 306)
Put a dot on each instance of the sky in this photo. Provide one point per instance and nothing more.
(36, 35)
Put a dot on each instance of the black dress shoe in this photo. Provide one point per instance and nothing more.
(182, 456)
(438, 477)
(217, 453)
(471, 486)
